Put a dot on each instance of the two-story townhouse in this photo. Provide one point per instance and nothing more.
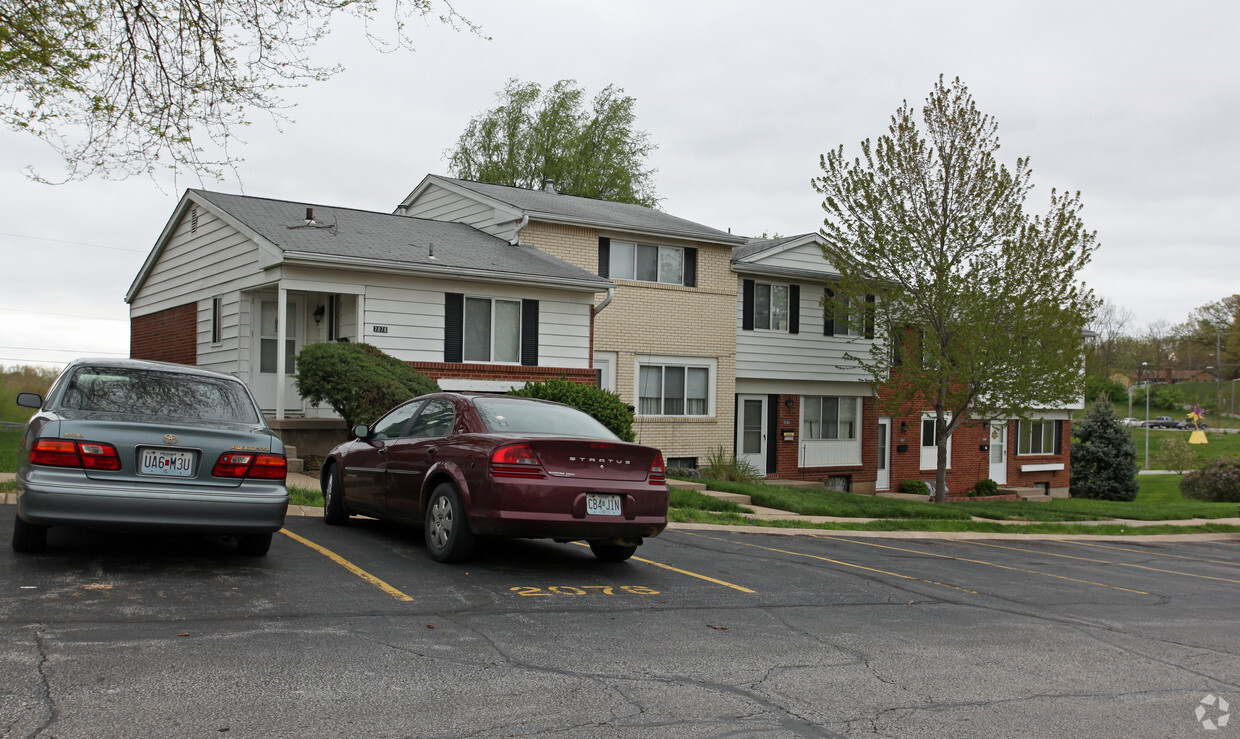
(805, 411)
(239, 284)
(664, 338)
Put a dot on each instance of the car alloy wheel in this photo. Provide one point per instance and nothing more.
(448, 538)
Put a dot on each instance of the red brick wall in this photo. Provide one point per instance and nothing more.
(167, 336)
(441, 370)
(788, 452)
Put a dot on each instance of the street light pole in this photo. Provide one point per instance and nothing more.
(1146, 374)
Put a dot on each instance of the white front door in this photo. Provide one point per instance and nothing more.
(998, 452)
(270, 339)
(751, 431)
(883, 482)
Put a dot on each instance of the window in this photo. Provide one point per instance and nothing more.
(645, 263)
(334, 309)
(435, 420)
(673, 390)
(217, 328)
(393, 424)
(770, 306)
(1038, 437)
(492, 330)
(853, 317)
(825, 417)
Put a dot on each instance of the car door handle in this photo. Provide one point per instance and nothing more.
(430, 451)
(382, 450)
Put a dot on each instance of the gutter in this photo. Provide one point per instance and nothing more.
(611, 293)
(516, 236)
(596, 285)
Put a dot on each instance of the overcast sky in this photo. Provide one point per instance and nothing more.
(1134, 103)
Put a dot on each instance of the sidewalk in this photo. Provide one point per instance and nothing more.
(771, 514)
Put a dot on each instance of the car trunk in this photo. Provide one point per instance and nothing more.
(151, 452)
(594, 460)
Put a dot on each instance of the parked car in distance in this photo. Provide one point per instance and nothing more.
(131, 445)
(1131, 422)
(466, 465)
(1162, 422)
(1191, 425)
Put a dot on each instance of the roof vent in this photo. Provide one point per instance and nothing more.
(549, 186)
(310, 216)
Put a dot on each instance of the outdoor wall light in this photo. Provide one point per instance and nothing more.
(318, 314)
(904, 427)
(788, 402)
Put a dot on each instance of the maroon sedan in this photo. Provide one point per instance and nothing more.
(498, 465)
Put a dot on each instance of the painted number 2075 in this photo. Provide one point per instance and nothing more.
(585, 590)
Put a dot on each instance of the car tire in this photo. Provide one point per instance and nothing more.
(612, 552)
(28, 538)
(254, 545)
(448, 537)
(334, 512)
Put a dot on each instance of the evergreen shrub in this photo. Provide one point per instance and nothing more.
(358, 381)
(915, 487)
(604, 406)
(1104, 460)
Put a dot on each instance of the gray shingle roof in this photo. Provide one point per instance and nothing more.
(755, 246)
(587, 211)
(367, 235)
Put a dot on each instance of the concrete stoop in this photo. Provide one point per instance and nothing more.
(1032, 495)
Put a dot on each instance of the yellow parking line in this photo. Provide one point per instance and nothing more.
(684, 572)
(349, 566)
(981, 562)
(1105, 562)
(833, 561)
(1146, 551)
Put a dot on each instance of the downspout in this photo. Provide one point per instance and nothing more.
(516, 236)
(611, 293)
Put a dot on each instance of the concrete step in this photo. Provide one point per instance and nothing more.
(685, 485)
(736, 498)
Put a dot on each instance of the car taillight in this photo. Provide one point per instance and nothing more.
(656, 470)
(518, 460)
(85, 454)
(262, 466)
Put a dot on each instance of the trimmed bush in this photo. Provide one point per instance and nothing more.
(1217, 481)
(604, 405)
(358, 381)
(984, 488)
(1104, 460)
(915, 487)
(1176, 455)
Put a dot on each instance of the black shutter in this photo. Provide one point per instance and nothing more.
(747, 305)
(772, 434)
(529, 333)
(1059, 437)
(453, 326)
(794, 309)
(690, 267)
(869, 316)
(828, 314)
(897, 348)
(604, 256)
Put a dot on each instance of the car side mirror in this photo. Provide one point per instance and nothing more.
(361, 431)
(30, 400)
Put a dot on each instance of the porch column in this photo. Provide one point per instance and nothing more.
(281, 332)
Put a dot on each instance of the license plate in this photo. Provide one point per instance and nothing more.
(166, 463)
(603, 505)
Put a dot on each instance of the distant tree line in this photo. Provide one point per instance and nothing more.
(22, 379)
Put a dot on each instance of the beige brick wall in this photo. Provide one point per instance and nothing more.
(667, 320)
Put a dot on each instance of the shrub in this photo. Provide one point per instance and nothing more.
(1095, 386)
(915, 487)
(1176, 455)
(1104, 460)
(1168, 397)
(603, 405)
(358, 381)
(1217, 481)
(721, 465)
(984, 488)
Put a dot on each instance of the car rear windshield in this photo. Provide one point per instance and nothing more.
(514, 416)
(155, 393)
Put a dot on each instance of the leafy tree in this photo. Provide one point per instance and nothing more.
(933, 246)
(1095, 386)
(22, 379)
(358, 381)
(1104, 460)
(535, 137)
(604, 406)
(120, 87)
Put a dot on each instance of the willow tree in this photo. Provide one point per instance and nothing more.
(537, 136)
(979, 299)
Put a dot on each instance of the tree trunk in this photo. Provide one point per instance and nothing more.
(940, 475)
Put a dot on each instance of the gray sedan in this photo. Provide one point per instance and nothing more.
(136, 445)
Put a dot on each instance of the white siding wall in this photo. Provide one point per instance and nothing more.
(437, 203)
(803, 356)
(221, 357)
(807, 257)
(413, 312)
